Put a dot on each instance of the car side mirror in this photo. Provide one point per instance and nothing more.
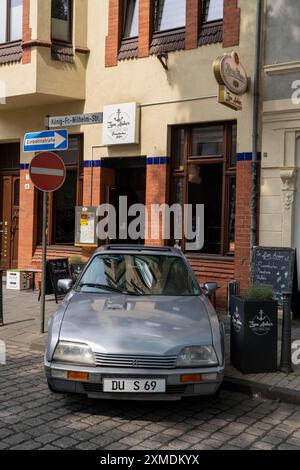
(210, 288)
(64, 285)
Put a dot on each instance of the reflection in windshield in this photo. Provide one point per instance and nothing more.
(140, 274)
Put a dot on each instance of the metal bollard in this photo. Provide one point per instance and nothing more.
(1, 299)
(233, 289)
(286, 344)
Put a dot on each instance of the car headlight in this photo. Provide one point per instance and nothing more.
(74, 353)
(193, 356)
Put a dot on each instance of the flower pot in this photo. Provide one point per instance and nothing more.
(254, 335)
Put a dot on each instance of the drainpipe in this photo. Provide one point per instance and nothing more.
(256, 104)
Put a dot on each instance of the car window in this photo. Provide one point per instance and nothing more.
(140, 274)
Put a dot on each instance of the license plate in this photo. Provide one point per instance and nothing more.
(134, 385)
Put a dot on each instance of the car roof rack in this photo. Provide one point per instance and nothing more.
(165, 249)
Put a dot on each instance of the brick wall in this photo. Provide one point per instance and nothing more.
(156, 193)
(26, 223)
(193, 19)
(145, 21)
(26, 56)
(114, 33)
(231, 23)
(243, 223)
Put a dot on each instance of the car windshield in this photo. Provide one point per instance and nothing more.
(139, 274)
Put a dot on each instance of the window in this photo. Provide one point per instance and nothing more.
(11, 20)
(131, 19)
(61, 212)
(213, 10)
(204, 172)
(169, 14)
(61, 20)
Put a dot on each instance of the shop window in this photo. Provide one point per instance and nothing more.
(204, 172)
(62, 203)
(11, 20)
(169, 14)
(213, 10)
(61, 20)
(130, 19)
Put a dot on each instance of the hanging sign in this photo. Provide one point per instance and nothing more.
(232, 78)
(121, 124)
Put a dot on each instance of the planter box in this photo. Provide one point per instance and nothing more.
(253, 335)
(17, 280)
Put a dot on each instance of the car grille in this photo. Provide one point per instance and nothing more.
(98, 388)
(135, 362)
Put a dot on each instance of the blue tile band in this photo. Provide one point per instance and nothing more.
(93, 163)
(24, 166)
(158, 160)
(247, 157)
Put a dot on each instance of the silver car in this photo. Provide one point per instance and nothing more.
(136, 325)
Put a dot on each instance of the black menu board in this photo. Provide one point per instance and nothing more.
(56, 269)
(274, 267)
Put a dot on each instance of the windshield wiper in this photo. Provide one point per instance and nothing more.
(109, 288)
(101, 286)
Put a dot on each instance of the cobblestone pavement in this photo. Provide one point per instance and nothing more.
(33, 418)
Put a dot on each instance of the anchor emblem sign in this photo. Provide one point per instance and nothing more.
(261, 324)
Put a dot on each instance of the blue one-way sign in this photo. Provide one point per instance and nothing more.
(45, 141)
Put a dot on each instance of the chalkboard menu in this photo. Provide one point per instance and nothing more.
(274, 267)
(56, 269)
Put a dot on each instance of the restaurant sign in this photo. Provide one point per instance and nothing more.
(121, 124)
(232, 78)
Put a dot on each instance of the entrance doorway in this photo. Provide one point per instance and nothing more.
(9, 205)
(129, 181)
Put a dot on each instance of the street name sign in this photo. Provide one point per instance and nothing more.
(75, 120)
(47, 172)
(46, 141)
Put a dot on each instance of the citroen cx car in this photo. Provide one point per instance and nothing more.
(135, 325)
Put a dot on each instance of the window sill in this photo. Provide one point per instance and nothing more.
(10, 52)
(168, 41)
(128, 48)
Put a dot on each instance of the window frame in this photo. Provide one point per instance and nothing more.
(70, 37)
(8, 25)
(228, 172)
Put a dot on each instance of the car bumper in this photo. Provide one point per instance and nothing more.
(57, 376)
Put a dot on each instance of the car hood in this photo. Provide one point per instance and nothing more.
(117, 324)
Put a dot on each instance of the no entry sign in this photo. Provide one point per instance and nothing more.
(47, 172)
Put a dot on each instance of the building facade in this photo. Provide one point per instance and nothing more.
(280, 185)
(73, 57)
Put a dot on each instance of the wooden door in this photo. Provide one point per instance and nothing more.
(9, 221)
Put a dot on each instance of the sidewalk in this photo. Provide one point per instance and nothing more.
(22, 326)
